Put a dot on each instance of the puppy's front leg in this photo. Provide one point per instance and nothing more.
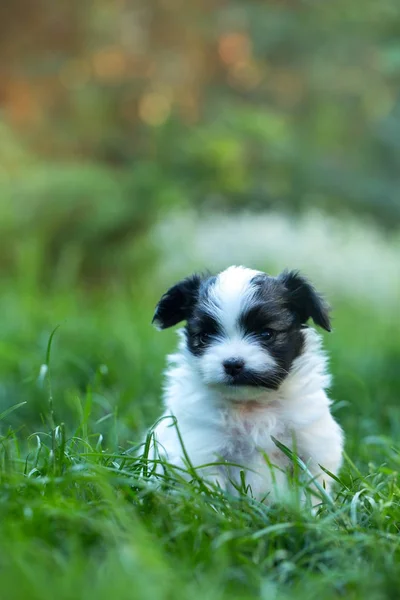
(321, 444)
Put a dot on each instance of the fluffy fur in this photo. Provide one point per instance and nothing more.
(247, 369)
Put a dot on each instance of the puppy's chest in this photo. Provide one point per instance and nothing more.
(246, 433)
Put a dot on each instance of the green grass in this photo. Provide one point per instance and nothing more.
(78, 516)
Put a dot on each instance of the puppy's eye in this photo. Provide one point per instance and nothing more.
(203, 338)
(268, 334)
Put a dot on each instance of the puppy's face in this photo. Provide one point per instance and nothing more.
(243, 327)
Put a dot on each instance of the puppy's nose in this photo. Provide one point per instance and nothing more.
(233, 366)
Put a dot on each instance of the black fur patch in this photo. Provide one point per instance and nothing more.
(201, 330)
(271, 313)
(303, 299)
(177, 303)
(201, 327)
(249, 378)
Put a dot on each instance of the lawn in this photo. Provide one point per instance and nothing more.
(139, 140)
(79, 518)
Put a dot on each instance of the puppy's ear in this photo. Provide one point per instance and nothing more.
(176, 304)
(305, 300)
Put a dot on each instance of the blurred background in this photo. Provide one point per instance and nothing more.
(141, 140)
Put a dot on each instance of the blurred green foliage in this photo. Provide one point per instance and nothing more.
(85, 220)
(127, 108)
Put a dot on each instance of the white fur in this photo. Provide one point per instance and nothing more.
(221, 423)
(232, 293)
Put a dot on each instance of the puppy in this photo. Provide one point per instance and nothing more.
(248, 369)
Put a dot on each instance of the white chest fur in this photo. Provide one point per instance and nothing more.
(248, 428)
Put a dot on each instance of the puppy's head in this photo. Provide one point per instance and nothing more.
(243, 328)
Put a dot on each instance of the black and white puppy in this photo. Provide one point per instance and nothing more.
(247, 368)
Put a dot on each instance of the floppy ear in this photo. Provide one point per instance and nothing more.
(176, 304)
(305, 300)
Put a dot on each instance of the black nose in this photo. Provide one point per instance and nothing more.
(233, 366)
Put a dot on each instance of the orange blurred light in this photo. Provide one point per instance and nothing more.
(109, 64)
(234, 47)
(21, 103)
